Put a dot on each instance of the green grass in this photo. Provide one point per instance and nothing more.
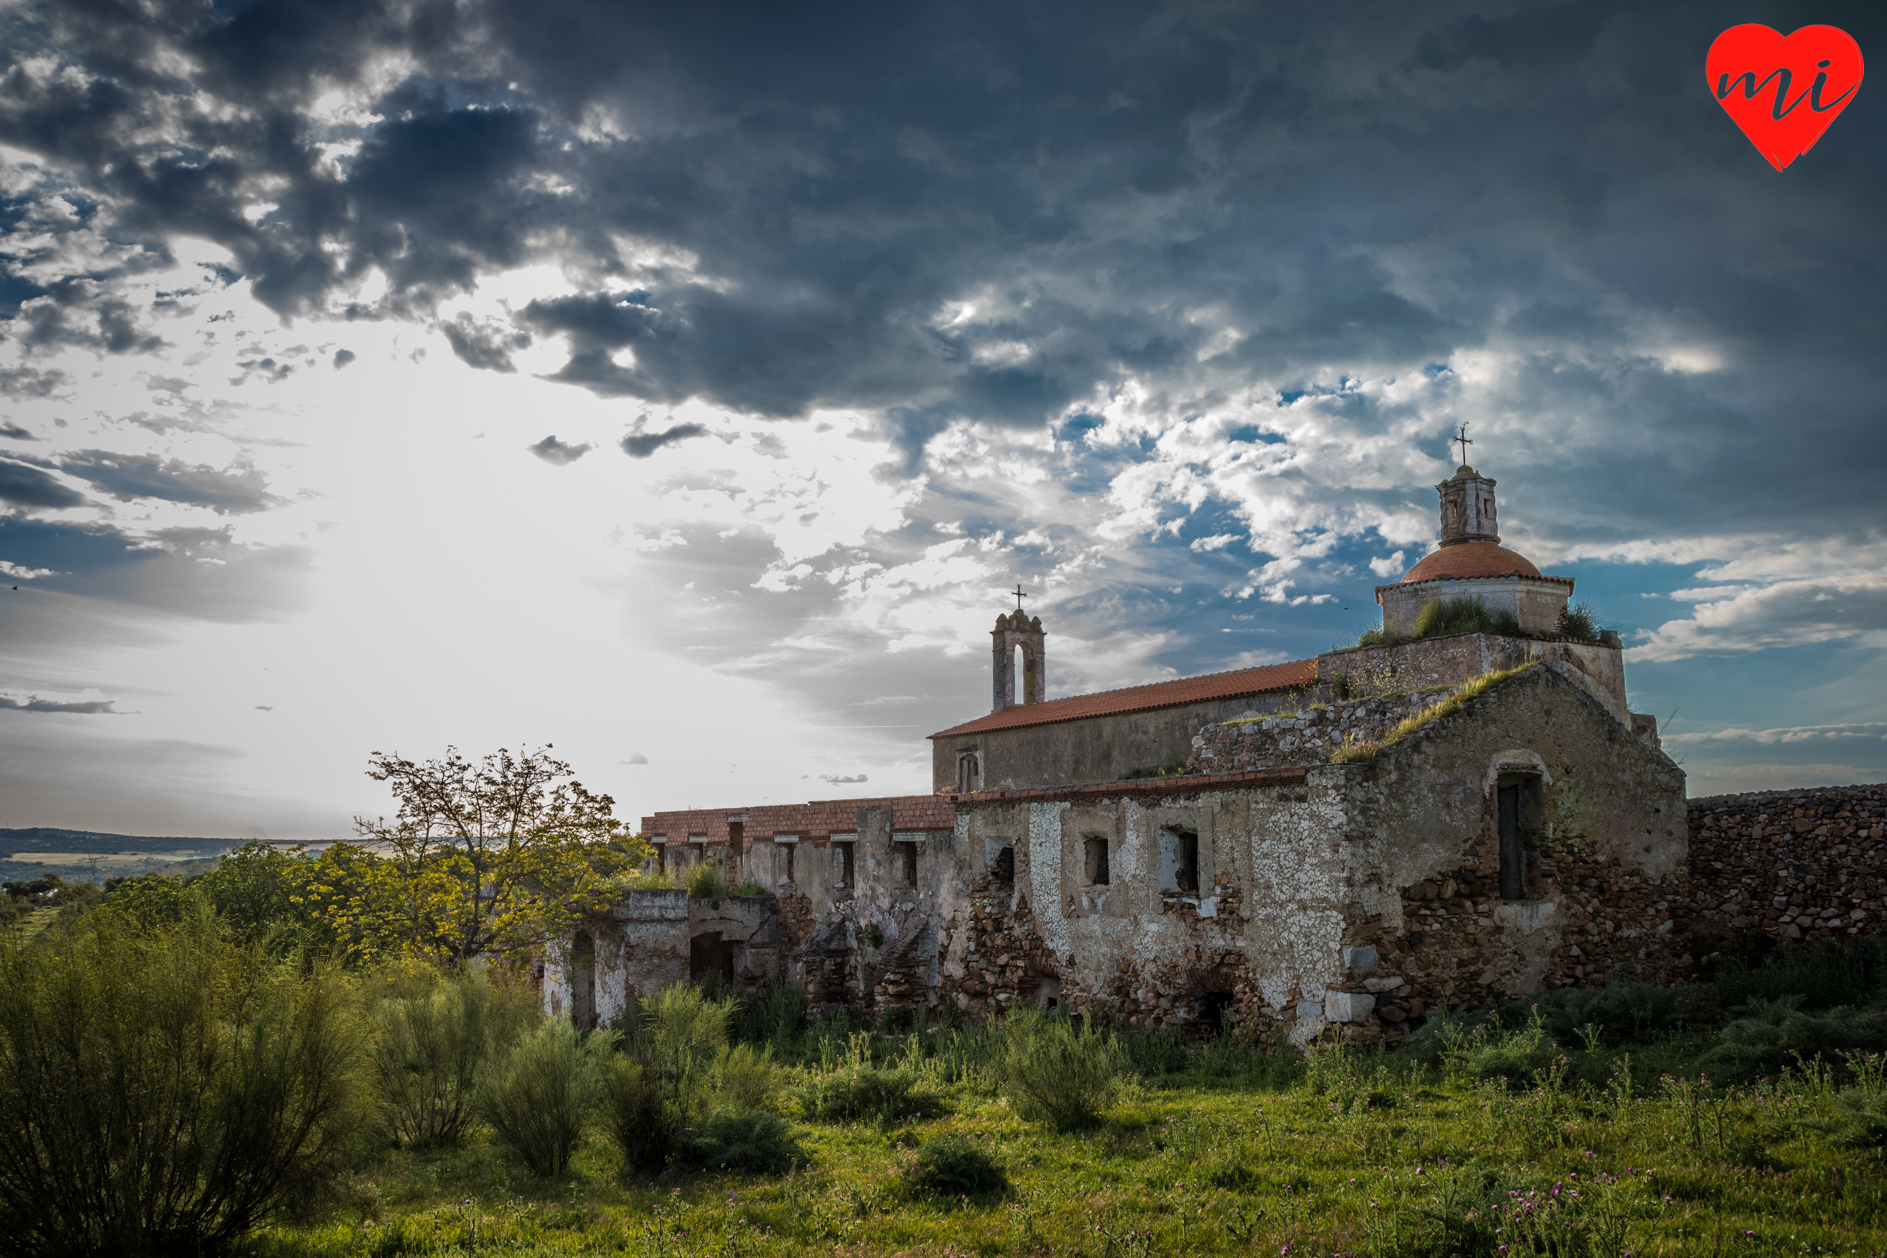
(1362, 1155)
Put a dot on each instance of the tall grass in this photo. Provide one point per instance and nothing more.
(166, 1091)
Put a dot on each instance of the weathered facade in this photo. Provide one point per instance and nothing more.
(1348, 839)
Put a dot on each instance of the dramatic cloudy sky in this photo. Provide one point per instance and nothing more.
(681, 384)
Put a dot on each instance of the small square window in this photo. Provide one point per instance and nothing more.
(904, 864)
(1094, 852)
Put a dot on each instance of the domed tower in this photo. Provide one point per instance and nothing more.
(1471, 561)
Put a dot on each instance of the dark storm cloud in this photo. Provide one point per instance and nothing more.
(487, 345)
(31, 382)
(16, 433)
(33, 703)
(642, 445)
(226, 491)
(1004, 212)
(200, 573)
(25, 486)
(554, 451)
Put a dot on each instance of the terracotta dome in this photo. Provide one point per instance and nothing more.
(1470, 559)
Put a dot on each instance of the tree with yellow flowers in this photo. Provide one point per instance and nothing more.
(481, 859)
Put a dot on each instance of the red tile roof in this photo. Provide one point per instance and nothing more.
(1163, 694)
(817, 818)
(1467, 560)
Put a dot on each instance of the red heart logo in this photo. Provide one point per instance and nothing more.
(1783, 92)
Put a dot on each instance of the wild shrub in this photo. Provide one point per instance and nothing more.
(743, 1141)
(1772, 1035)
(1623, 1011)
(706, 882)
(665, 1081)
(952, 1167)
(1151, 1054)
(1464, 613)
(538, 1097)
(1579, 622)
(1822, 975)
(1058, 1071)
(427, 1049)
(652, 880)
(1494, 1052)
(855, 1091)
(745, 1077)
(165, 1091)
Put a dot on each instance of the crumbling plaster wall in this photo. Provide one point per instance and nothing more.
(832, 951)
(642, 944)
(1261, 934)
(1608, 875)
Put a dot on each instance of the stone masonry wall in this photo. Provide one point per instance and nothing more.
(1303, 738)
(1801, 864)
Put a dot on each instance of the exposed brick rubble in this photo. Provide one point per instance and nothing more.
(1801, 864)
(1305, 737)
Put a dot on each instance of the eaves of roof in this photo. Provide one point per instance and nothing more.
(1163, 694)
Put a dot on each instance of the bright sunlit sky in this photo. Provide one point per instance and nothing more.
(683, 385)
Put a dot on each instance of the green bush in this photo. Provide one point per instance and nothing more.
(1464, 613)
(538, 1096)
(674, 1051)
(1579, 622)
(1153, 1053)
(165, 1091)
(746, 1078)
(428, 1047)
(855, 1091)
(1825, 974)
(637, 1118)
(1772, 1035)
(1056, 1071)
(1623, 1011)
(706, 882)
(952, 1166)
(746, 1142)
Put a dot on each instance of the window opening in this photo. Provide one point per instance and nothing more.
(790, 849)
(1215, 1011)
(904, 863)
(1179, 861)
(1095, 859)
(1003, 868)
(583, 981)
(966, 773)
(845, 863)
(1513, 856)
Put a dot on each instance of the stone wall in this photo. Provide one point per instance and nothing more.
(1798, 864)
(1304, 737)
(1606, 883)
(1596, 668)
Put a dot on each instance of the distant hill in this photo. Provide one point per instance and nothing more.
(24, 842)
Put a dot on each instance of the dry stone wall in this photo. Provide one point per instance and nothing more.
(1803, 864)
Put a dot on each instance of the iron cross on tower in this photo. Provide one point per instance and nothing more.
(1020, 594)
(1464, 442)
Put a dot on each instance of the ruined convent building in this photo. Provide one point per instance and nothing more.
(1349, 839)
